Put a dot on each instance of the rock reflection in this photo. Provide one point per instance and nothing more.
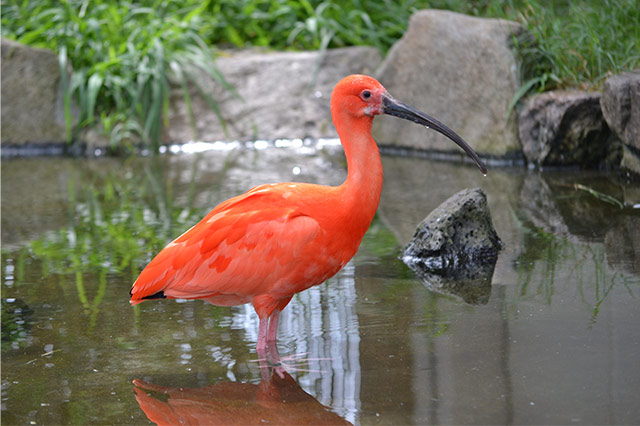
(277, 399)
(472, 285)
(553, 204)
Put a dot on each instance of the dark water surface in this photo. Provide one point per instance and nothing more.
(557, 341)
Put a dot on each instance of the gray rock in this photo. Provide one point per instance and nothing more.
(630, 163)
(620, 103)
(455, 248)
(284, 95)
(463, 71)
(564, 128)
(32, 102)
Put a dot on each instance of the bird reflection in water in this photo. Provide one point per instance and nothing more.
(277, 399)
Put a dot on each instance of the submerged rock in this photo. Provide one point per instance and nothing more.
(455, 248)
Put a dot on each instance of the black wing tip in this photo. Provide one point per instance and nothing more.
(158, 295)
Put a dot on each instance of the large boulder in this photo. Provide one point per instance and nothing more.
(460, 69)
(565, 128)
(32, 100)
(282, 95)
(620, 103)
(630, 163)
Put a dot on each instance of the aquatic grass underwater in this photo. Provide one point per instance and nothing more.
(126, 55)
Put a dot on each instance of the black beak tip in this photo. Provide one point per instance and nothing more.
(401, 110)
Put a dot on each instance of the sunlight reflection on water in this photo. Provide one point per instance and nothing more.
(195, 147)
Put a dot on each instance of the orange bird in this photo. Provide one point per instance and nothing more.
(276, 240)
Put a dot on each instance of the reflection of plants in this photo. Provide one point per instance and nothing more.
(547, 248)
(15, 321)
(91, 308)
(117, 228)
(436, 322)
(379, 242)
(538, 274)
(603, 284)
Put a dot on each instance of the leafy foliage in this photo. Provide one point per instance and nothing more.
(123, 55)
(579, 44)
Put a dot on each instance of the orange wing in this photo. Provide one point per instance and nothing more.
(253, 244)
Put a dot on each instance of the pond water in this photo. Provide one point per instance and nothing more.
(555, 341)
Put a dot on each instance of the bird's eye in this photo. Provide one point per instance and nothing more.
(365, 94)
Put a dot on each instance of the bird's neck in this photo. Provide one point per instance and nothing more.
(363, 186)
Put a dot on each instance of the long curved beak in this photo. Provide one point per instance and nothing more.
(402, 110)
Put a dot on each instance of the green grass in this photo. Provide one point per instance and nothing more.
(310, 24)
(125, 55)
(581, 43)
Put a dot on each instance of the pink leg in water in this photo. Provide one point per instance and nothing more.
(272, 334)
(267, 342)
(262, 334)
(268, 330)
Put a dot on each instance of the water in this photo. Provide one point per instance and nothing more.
(557, 341)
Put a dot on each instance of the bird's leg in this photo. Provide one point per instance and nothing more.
(263, 363)
(268, 329)
(262, 334)
(272, 333)
(272, 345)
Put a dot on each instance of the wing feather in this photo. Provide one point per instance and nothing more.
(246, 246)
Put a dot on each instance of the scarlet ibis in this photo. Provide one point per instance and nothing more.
(276, 240)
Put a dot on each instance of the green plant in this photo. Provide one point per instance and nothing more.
(123, 56)
(579, 44)
(309, 24)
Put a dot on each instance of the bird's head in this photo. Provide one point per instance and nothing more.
(361, 96)
(358, 95)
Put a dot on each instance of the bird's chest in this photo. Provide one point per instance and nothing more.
(317, 262)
